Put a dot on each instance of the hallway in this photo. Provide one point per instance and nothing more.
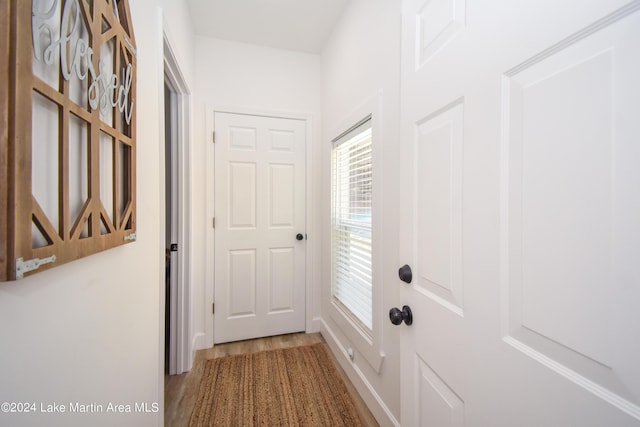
(454, 212)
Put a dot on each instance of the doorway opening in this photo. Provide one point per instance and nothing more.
(177, 226)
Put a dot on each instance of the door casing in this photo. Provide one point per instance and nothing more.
(181, 101)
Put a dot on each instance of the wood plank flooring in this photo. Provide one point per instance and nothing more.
(180, 391)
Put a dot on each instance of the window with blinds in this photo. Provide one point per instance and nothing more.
(351, 224)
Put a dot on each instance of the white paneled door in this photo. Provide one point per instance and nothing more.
(521, 213)
(259, 226)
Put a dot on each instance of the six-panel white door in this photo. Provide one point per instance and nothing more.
(521, 216)
(259, 211)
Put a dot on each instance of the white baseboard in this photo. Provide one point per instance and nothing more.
(373, 400)
(314, 326)
(199, 342)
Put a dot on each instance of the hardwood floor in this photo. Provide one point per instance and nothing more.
(180, 391)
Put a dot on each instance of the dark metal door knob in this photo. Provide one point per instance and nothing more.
(405, 274)
(397, 317)
(299, 236)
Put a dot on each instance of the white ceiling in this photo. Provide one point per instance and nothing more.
(299, 25)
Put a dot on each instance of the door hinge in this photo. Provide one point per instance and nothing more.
(214, 222)
(23, 266)
(213, 137)
(213, 308)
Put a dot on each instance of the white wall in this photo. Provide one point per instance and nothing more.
(361, 59)
(231, 74)
(90, 331)
(177, 27)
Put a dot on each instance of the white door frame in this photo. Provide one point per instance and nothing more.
(311, 324)
(180, 105)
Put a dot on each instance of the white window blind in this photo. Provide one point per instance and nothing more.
(351, 224)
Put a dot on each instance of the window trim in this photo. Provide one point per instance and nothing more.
(368, 345)
(347, 224)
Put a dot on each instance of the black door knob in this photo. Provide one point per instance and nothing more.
(397, 317)
(299, 236)
(405, 274)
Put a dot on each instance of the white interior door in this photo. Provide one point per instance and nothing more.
(259, 226)
(521, 184)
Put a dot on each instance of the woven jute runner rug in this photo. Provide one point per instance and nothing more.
(296, 386)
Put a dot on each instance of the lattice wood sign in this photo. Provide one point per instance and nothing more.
(67, 135)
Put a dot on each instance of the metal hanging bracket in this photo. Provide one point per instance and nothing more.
(132, 236)
(23, 266)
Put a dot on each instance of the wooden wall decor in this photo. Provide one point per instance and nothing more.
(67, 131)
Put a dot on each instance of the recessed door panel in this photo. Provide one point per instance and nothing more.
(242, 195)
(566, 211)
(438, 22)
(242, 283)
(439, 405)
(438, 184)
(282, 140)
(242, 138)
(281, 195)
(281, 279)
